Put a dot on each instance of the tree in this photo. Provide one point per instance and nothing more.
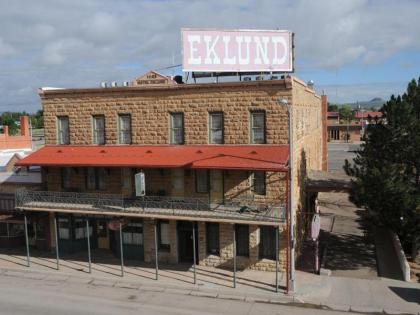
(346, 113)
(332, 107)
(386, 169)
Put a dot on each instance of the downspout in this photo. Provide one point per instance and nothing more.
(287, 233)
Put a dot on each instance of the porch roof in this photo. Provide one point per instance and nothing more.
(229, 157)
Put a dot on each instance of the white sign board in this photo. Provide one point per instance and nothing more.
(212, 50)
(140, 184)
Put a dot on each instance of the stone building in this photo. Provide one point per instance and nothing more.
(214, 158)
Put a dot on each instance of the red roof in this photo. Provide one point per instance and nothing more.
(333, 114)
(240, 157)
(368, 114)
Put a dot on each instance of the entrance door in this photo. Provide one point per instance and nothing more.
(177, 182)
(216, 186)
(102, 232)
(185, 242)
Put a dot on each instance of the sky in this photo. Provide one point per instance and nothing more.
(353, 50)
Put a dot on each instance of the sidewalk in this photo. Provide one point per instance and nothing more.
(336, 293)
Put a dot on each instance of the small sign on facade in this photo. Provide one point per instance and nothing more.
(315, 226)
(140, 184)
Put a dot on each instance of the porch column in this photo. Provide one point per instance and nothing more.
(277, 259)
(194, 258)
(234, 256)
(88, 245)
(156, 251)
(28, 259)
(121, 251)
(56, 242)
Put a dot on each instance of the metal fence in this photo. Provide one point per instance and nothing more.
(176, 205)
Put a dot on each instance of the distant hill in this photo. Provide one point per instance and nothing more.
(376, 102)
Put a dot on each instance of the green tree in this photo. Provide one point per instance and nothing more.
(386, 169)
(346, 113)
(332, 107)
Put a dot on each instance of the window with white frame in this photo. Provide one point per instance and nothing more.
(124, 129)
(258, 184)
(63, 134)
(216, 128)
(80, 229)
(133, 234)
(98, 129)
(258, 127)
(176, 128)
(64, 228)
(163, 235)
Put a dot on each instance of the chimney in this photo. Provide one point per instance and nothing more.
(24, 125)
(324, 133)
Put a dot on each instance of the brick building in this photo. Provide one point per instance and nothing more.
(215, 159)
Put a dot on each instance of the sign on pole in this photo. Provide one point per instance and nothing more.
(213, 50)
(140, 184)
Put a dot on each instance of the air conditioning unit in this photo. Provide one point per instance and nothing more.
(114, 84)
(247, 78)
(259, 78)
(104, 85)
(126, 83)
(274, 77)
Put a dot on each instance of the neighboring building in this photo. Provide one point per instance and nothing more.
(215, 157)
(12, 178)
(341, 131)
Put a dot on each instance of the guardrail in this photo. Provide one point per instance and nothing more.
(115, 202)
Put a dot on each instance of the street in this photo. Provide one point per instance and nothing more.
(31, 296)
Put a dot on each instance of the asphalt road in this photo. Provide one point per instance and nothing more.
(30, 296)
(338, 152)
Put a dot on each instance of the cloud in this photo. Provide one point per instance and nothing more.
(81, 43)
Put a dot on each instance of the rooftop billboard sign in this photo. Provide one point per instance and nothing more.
(212, 50)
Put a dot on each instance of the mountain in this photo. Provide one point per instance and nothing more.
(376, 103)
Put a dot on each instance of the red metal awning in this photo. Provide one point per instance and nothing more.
(234, 157)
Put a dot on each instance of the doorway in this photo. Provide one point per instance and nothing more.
(216, 186)
(185, 241)
(177, 182)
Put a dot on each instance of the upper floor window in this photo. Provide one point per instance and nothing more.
(176, 129)
(216, 128)
(65, 177)
(202, 181)
(63, 134)
(95, 178)
(258, 127)
(98, 129)
(258, 183)
(124, 129)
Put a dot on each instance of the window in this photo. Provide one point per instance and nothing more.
(80, 229)
(41, 230)
(124, 129)
(268, 242)
(258, 183)
(63, 135)
(202, 181)
(216, 128)
(98, 129)
(257, 127)
(242, 240)
(163, 236)
(95, 178)
(65, 177)
(133, 234)
(64, 228)
(176, 128)
(212, 238)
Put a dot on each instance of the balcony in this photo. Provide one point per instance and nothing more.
(148, 206)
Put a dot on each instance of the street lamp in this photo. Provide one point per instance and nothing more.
(284, 102)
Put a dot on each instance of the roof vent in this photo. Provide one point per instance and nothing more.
(114, 84)
(247, 78)
(102, 151)
(199, 151)
(59, 151)
(148, 151)
(253, 152)
(104, 85)
(126, 83)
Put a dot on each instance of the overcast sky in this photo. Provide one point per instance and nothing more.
(353, 49)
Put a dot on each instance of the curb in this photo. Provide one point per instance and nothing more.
(194, 291)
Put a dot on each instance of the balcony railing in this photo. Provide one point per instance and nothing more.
(186, 206)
